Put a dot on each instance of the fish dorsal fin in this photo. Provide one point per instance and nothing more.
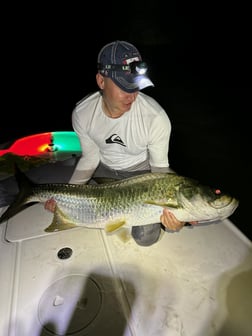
(112, 226)
(60, 222)
(162, 203)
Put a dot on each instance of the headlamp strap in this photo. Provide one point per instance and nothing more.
(137, 67)
(114, 67)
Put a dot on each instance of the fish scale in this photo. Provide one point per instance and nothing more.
(138, 200)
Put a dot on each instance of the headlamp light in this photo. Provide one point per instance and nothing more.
(140, 68)
(136, 67)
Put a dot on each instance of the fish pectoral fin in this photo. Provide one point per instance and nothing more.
(113, 226)
(124, 234)
(167, 204)
(60, 222)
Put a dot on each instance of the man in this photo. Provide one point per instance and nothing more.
(123, 132)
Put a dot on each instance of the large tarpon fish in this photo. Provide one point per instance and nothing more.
(125, 203)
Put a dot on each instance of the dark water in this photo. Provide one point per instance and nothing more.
(199, 60)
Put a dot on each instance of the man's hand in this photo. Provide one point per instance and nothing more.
(171, 222)
(50, 205)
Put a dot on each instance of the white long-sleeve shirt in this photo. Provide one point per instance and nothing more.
(137, 140)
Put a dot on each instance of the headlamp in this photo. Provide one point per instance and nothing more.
(136, 67)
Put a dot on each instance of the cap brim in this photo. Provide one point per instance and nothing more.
(144, 82)
(129, 83)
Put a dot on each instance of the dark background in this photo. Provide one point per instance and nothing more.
(200, 62)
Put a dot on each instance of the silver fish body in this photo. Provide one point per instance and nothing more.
(125, 203)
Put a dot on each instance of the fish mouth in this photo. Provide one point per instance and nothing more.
(224, 202)
(230, 208)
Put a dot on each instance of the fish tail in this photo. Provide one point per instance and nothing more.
(25, 186)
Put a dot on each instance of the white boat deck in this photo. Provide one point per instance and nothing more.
(82, 282)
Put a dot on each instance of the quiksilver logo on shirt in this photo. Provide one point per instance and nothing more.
(114, 138)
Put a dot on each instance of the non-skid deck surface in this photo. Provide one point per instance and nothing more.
(82, 282)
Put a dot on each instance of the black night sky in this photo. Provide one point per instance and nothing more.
(200, 62)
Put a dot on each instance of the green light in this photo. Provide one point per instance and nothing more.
(66, 141)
